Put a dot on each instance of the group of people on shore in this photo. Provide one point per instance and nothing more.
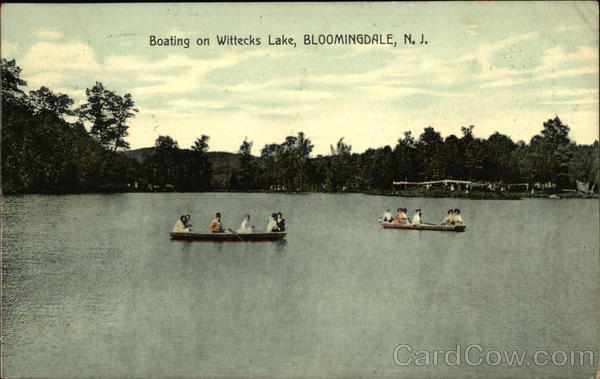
(401, 218)
(276, 224)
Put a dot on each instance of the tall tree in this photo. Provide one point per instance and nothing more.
(553, 151)
(164, 166)
(11, 81)
(201, 170)
(584, 166)
(498, 159)
(340, 173)
(108, 113)
(286, 164)
(472, 153)
(405, 158)
(429, 149)
(246, 174)
(44, 100)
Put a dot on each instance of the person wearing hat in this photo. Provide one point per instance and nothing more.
(448, 219)
(416, 220)
(187, 223)
(215, 225)
(280, 223)
(457, 219)
(180, 226)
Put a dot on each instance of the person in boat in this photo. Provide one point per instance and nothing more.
(215, 225)
(245, 227)
(404, 213)
(188, 225)
(387, 216)
(179, 226)
(449, 217)
(416, 220)
(457, 219)
(400, 218)
(280, 223)
(272, 225)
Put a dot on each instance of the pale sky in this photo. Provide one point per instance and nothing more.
(504, 67)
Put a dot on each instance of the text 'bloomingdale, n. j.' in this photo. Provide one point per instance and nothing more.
(283, 40)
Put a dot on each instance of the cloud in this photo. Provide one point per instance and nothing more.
(48, 34)
(187, 106)
(9, 49)
(144, 65)
(48, 79)
(388, 93)
(568, 28)
(578, 96)
(557, 63)
(192, 74)
(180, 91)
(180, 33)
(59, 57)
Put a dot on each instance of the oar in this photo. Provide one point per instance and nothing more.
(238, 236)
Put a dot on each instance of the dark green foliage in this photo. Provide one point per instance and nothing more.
(108, 113)
(286, 166)
(43, 153)
(46, 101)
(246, 176)
(172, 168)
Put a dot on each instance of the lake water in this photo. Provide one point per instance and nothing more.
(93, 286)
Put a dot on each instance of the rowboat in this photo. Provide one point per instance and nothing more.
(441, 228)
(229, 237)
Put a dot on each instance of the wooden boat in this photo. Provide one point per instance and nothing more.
(229, 237)
(441, 228)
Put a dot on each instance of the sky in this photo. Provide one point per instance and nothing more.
(500, 66)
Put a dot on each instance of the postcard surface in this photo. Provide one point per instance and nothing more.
(300, 190)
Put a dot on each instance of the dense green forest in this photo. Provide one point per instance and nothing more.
(50, 146)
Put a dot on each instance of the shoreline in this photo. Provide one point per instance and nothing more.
(422, 194)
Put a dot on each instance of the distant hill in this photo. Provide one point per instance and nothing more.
(221, 162)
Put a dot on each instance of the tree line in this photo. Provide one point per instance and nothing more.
(47, 148)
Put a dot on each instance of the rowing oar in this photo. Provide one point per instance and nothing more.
(238, 236)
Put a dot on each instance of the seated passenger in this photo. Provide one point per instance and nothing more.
(448, 219)
(215, 225)
(180, 226)
(272, 223)
(187, 223)
(416, 220)
(245, 227)
(400, 218)
(280, 223)
(404, 217)
(387, 216)
(457, 219)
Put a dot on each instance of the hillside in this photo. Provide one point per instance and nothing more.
(221, 162)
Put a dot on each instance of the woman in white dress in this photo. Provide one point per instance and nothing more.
(245, 227)
(272, 223)
(416, 220)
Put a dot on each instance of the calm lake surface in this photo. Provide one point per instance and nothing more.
(93, 286)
